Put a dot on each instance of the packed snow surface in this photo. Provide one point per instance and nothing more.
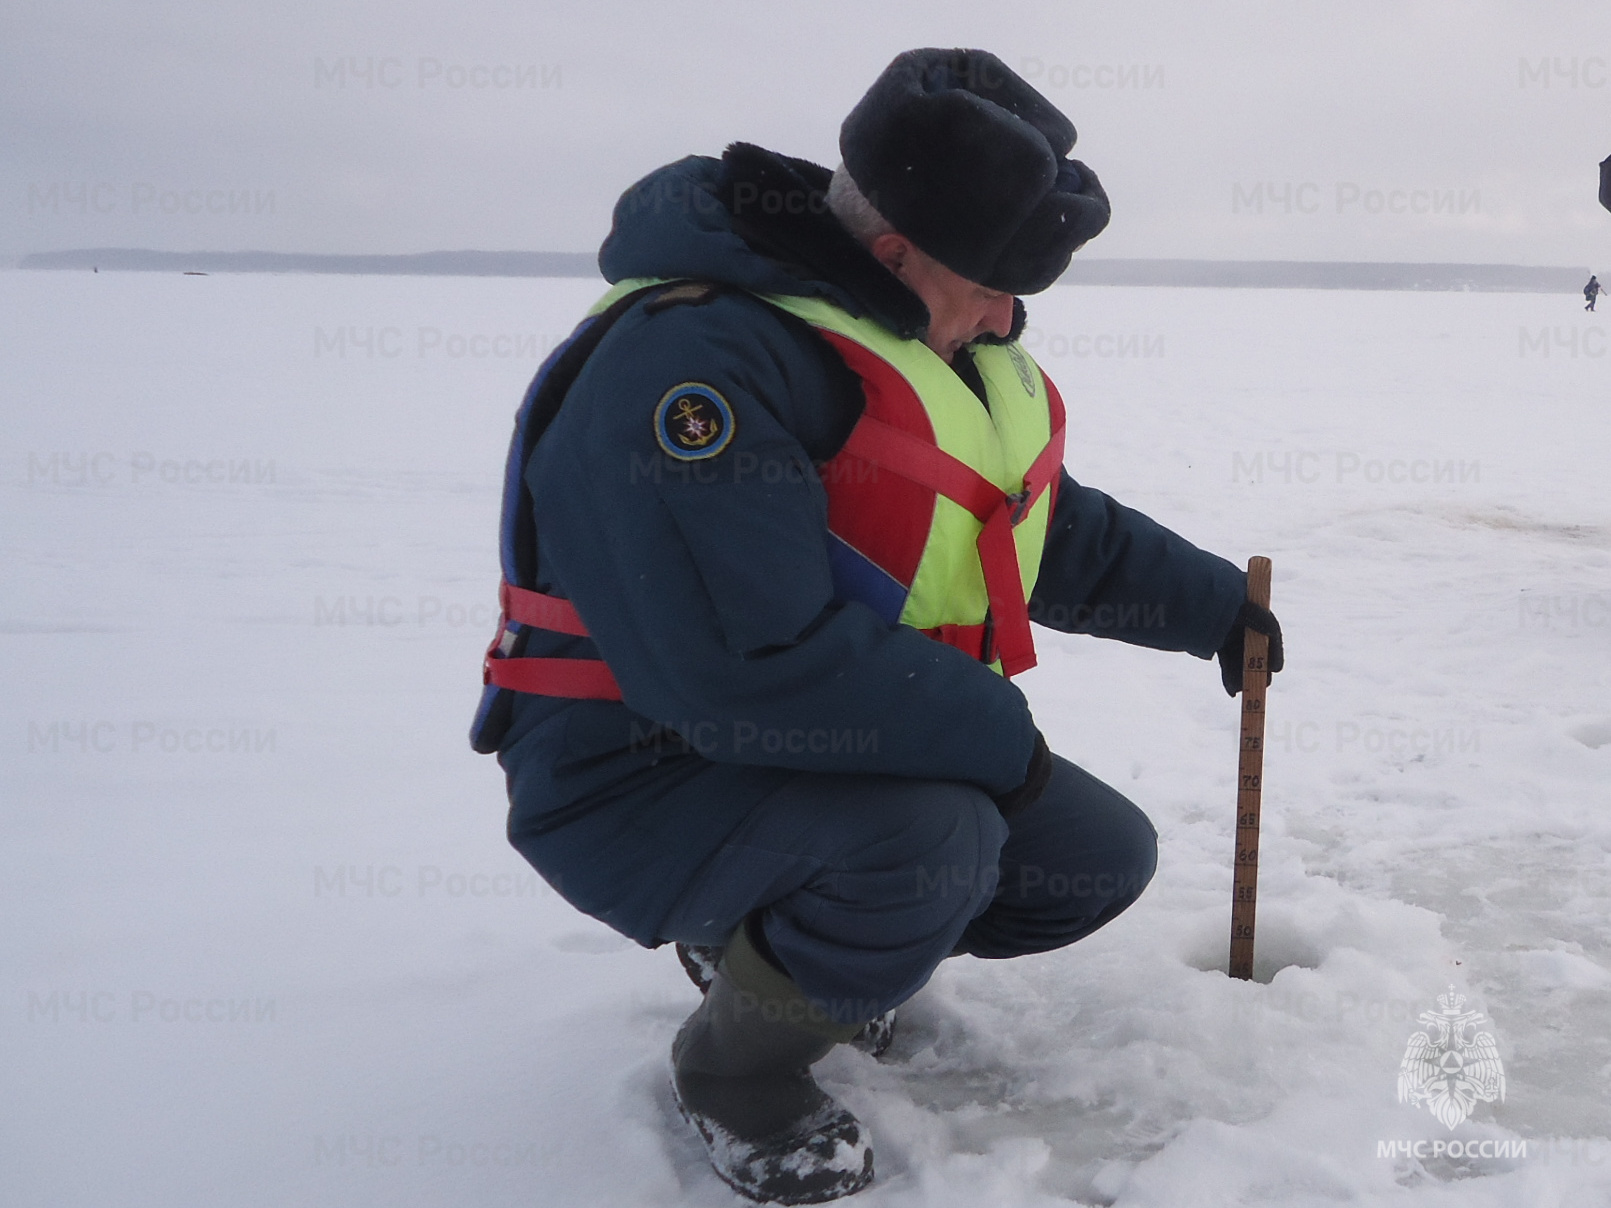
(264, 942)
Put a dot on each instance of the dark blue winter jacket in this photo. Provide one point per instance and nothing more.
(706, 585)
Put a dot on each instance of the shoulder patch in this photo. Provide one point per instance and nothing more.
(693, 421)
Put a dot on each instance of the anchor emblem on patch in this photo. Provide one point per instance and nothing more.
(693, 421)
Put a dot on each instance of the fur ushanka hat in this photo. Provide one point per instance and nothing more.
(970, 163)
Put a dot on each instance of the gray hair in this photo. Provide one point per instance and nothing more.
(853, 210)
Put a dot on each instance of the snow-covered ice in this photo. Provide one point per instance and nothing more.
(264, 943)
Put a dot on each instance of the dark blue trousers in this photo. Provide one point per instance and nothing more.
(865, 884)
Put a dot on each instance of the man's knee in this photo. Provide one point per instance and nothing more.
(1135, 852)
(1129, 857)
(913, 863)
(950, 836)
(915, 851)
(1075, 860)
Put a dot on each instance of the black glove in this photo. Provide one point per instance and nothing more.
(1016, 800)
(1262, 620)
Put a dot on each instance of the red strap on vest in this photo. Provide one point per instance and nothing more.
(545, 612)
(975, 641)
(579, 679)
(927, 464)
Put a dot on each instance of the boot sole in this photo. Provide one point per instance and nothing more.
(715, 1145)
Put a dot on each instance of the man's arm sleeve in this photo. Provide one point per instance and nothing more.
(1110, 571)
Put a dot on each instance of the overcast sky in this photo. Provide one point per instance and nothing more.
(1250, 129)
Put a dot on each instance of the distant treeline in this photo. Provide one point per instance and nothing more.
(416, 264)
(1171, 274)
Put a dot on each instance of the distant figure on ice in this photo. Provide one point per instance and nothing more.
(1591, 291)
(777, 520)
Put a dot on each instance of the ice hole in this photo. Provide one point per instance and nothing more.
(1278, 944)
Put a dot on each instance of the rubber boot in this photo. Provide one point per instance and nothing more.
(699, 961)
(742, 1077)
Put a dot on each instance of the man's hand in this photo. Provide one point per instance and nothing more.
(1261, 620)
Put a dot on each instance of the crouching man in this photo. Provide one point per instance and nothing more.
(777, 518)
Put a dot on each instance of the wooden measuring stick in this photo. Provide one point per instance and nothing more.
(1250, 776)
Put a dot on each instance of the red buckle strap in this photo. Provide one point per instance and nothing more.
(1044, 471)
(545, 612)
(926, 463)
(1004, 586)
(578, 679)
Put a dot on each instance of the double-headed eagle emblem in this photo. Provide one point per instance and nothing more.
(1451, 1067)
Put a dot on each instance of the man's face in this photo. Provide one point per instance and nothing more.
(960, 310)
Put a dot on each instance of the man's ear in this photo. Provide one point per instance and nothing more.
(891, 250)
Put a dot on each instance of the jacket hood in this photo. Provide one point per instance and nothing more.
(758, 221)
